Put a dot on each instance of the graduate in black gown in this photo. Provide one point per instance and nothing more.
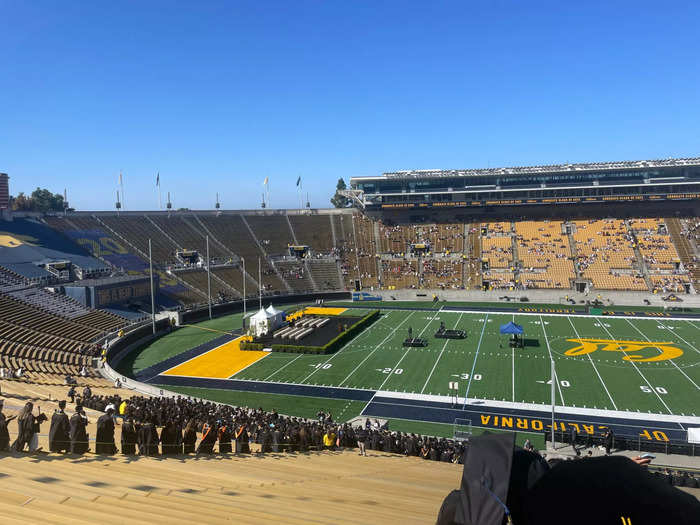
(25, 427)
(171, 438)
(59, 438)
(242, 440)
(4, 432)
(78, 434)
(224, 438)
(189, 437)
(148, 439)
(129, 437)
(104, 438)
(209, 434)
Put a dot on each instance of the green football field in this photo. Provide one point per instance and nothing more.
(641, 364)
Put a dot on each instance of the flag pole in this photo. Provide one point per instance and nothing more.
(121, 185)
(160, 198)
(153, 299)
(259, 283)
(208, 279)
(244, 297)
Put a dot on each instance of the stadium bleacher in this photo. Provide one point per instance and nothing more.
(544, 255)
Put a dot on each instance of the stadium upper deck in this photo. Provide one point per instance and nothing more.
(644, 180)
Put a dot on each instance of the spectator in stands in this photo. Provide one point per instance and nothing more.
(104, 437)
(59, 439)
(4, 432)
(78, 434)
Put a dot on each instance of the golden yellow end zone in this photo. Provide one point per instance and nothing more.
(316, 310)
(220, 363)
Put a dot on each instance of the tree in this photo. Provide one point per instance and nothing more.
(338, 200)
(40, 200)
(43, 200)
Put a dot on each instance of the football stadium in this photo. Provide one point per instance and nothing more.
(424, 317)
(366, 263)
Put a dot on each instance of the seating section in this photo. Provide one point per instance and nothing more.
(314, 231)
(137, 231)
(293, 489)
(544, 255)
(233, 276)
(684, 237)
(325, 274)
(273, 233)
(38, 341)
(233, 233)
(295, 273)
(442, 273)
(198, 279)
(634, 254)
(399, 273)
(10, 280)
(363, 258)
(605, 252)
(182, 230)
(655, 244)
(669, 283)
(497, 251)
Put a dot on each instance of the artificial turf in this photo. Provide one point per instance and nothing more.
(483, 364)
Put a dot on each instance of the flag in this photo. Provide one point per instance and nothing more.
(120, 177)
(299, 180)
(265, 181)
(158, 179)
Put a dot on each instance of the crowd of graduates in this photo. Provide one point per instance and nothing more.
(152, 426)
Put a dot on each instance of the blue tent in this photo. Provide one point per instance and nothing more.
(511, 328)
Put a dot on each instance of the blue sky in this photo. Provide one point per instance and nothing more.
(217, 96)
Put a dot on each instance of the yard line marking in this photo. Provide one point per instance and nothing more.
(399, 362)
(551, 357)
(339, 351)
(376, 348)
(438, 359)
(478, 346)
(407, 351)
(283, 367)
(593, 364)
(696, 327)
(672, 362)
(601, 322)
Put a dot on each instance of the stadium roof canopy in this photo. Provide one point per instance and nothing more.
(529, 170)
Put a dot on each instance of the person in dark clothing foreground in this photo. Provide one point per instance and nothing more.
(59, 431)
(78, 435)
(502, 483)
(4, 431)
(104, 437)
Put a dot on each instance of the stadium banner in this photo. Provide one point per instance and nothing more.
(544, 200)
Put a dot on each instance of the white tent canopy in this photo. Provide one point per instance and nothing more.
(265, 321)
